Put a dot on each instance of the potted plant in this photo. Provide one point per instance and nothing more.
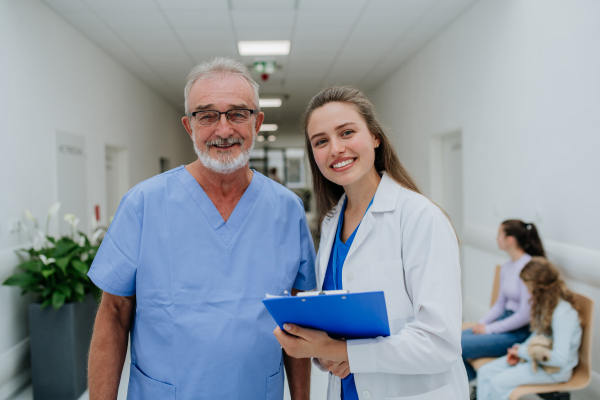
(61, 320)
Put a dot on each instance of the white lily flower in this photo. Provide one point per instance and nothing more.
(39, 240)
(70, 218)
(84, 257)
(75, 223)
(53, 210)
(94, 223)
(81, 241)
(29, 215)
(96, 236)
(45, 260)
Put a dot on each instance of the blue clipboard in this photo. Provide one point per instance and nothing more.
(349, 316)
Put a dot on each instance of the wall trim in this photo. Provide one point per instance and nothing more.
(15, 384)
(14, 371)
(577, 263)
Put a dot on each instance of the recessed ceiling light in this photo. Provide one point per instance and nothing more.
(272, 138)
(270, 102)
(260, 138)
(268, 127)
(264, 48)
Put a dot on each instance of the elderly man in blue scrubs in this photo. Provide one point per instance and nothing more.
(190, 255)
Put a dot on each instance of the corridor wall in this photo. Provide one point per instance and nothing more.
(520, 80)
(53, 79)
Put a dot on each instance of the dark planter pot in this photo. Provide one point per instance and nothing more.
(60, 340)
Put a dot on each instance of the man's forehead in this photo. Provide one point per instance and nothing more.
(228, 89)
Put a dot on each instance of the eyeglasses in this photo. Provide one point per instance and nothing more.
(211, 117)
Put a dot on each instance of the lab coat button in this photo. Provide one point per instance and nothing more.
(350, 278)
(367, 394)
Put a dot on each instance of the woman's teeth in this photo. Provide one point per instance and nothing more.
(343, 163)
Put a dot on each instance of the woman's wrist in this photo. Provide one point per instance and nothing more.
(335, 350)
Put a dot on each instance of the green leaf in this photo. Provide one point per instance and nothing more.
(48, 272)
(80, 267)
(51, 239)
(32, 265)
(65, 290)
(46, 292)
(62, 263)
(20, 280)
(46, 303)
(79, 289)
(58, 299)
(63, 246)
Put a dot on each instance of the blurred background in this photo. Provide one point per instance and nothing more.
(493, 105)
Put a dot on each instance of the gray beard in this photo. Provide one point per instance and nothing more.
(225, 164)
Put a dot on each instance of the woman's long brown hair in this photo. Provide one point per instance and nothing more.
(328, 193)
(547, 288)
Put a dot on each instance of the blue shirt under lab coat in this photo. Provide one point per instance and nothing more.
(200, 329)
(333, 281)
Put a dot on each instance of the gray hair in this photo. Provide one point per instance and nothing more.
(215, 67)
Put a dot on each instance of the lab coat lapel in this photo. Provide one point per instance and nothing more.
(327, 238)
(385, 200)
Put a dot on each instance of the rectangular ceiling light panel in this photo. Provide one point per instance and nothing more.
(268, 127)
(264, 48)
(264, 103)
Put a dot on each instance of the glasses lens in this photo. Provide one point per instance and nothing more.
(207, 117)
(238, 116)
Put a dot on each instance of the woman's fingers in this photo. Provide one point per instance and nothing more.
(304, 333)
(339, 369)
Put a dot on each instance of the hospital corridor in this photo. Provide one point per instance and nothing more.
(170, 170)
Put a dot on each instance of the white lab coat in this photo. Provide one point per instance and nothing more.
(406, 247)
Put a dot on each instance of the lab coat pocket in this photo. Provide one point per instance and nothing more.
(443, 393)
(275, 385)
(143, 387)
(388, 276)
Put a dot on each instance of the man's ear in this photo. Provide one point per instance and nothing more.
(260, 117)
(188, 126)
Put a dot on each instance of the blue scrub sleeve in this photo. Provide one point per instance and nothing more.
(306, 279)
(115, 265)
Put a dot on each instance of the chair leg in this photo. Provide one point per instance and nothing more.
(555, 396)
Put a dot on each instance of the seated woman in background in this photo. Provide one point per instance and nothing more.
(507, 322)
(555, 318)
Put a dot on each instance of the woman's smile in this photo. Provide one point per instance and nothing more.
(343, 164)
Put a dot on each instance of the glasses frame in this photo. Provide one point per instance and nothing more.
(193, 115)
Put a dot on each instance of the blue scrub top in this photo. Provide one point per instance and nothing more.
(333, 281)
(200, 329)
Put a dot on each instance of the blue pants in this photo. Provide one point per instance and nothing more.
(489, 345)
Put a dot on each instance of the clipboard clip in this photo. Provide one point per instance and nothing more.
(322, 293)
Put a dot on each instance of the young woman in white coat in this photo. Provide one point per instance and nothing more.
(378, 233)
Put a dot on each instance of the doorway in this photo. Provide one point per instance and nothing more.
(446, 161)
(117, 182)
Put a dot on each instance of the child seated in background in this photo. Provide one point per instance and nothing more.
(554, 316)
(507, 322)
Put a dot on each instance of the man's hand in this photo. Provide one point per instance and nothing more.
(512, 357)
(306, 343)
(341, 369)
(479, 329)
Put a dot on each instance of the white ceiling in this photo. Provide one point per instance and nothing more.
(357, 42)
